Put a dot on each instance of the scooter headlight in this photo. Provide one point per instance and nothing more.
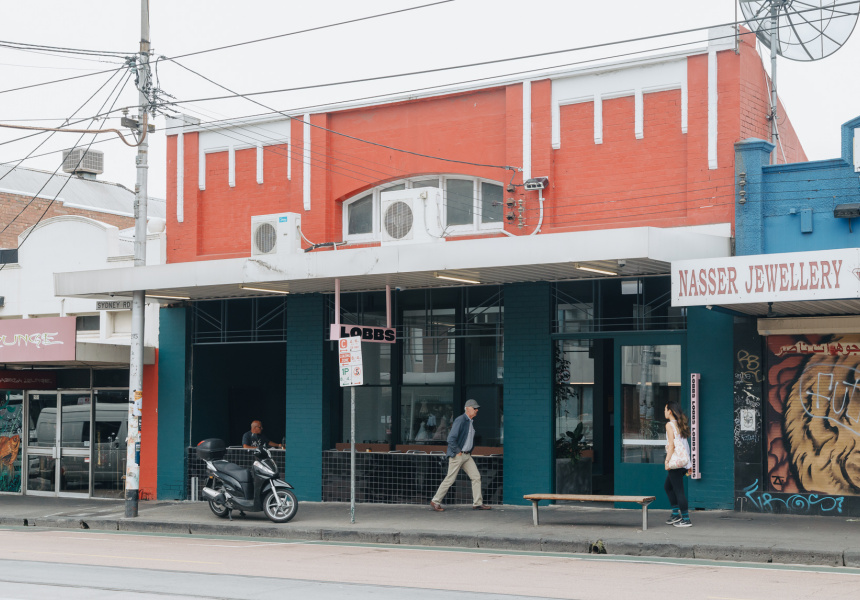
(263, 469)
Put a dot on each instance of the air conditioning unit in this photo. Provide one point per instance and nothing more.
(276, 234)
(83, 161)
(411, 216)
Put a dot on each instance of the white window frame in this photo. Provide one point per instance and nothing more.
(477, 225)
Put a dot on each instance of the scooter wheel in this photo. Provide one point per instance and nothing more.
(218, 509)
(280, 505)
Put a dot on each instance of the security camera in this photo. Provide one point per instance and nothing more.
(536, 183)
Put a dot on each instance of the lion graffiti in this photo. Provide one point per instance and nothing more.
(814, 422)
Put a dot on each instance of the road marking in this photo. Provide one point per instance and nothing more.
(136, 558)
(264, 544)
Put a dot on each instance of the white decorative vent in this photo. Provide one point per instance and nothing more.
(411, 216)
(79, 160)
(276, 234)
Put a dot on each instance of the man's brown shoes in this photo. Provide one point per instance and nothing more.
(436, 507)
(483, 507)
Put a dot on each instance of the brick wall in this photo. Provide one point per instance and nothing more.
(12, 204)
(529, 461)
(306, 406)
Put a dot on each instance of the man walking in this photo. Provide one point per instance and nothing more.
(461, 441)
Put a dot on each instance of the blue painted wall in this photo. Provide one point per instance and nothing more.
(172, 404)
(528, 392)
(307, 412)
(770, 200)
(710, 340)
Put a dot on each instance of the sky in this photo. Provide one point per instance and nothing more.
(818, 96)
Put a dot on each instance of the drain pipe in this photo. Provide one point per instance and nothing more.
(540, 219)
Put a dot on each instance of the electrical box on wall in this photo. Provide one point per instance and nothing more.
(276, 234)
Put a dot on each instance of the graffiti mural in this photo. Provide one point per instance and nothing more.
(11, 432)
(813, 414)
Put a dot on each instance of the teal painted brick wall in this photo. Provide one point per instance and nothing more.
(307, 412)
(172, 404)
(710, 344)
(528, 392)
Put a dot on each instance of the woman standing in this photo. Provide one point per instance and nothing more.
(677, 463)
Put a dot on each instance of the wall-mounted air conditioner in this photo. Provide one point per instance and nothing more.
(411, 216)
(276, 234)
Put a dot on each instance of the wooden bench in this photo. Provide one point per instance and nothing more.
(643, 500)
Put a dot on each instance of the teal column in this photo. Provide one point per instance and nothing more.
(307, 414)
(528, 392)
(709, 352)
(173, 407)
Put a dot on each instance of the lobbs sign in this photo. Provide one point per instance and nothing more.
(819, 275)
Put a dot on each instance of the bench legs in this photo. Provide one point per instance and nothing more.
(535, 512)
(645, 515)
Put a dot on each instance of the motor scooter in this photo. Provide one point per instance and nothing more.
(231, 487)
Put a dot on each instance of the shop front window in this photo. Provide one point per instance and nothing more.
(372, 414)
(109, 443)
(426, 413)
(650, 377)
(12, 434)
(574, 397)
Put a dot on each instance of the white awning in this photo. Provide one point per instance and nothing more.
(628, 252)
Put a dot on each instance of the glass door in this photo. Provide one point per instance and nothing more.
(58, 451)
(648, 374)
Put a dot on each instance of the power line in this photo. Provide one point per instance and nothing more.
(35, 85)
(358, 139)
(49, 179)
(497, 61)
(311, 29)
(43, 142)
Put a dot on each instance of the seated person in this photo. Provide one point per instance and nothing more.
(251, 438)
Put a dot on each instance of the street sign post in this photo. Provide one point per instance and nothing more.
(351, 374)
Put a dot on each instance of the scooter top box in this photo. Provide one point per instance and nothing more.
(211, 449)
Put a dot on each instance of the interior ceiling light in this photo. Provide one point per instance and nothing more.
(166, 297)
(453, 278)
(594, 270)
(259, 289)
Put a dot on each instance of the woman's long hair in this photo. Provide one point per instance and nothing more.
(680, 417)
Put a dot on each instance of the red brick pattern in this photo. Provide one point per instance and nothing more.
(661, 180)
(12, 204)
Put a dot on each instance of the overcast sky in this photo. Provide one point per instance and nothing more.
(819, 96)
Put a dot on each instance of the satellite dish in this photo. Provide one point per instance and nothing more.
(809, 30)
(798, 30)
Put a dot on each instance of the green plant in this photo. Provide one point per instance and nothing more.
(570, 445)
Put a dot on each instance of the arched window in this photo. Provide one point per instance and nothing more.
(470, 205)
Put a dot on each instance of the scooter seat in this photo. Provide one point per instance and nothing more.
(240, 474)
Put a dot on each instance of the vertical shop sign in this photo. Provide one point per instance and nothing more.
(694, 425)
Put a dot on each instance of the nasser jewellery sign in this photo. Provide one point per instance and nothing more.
(819, 275)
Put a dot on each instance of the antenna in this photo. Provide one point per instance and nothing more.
(799, 30)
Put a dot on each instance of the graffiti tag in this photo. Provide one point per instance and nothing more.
(795, 504)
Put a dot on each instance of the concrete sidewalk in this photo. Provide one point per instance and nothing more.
(718, 535)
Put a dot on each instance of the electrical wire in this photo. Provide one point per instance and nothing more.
(312, 29)
(44, 141)
(494, 61)
(49, 179)
(35, 85)
(326, 129)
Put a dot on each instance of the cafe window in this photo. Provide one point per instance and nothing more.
(650, 378)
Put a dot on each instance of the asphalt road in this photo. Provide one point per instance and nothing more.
(38, 563)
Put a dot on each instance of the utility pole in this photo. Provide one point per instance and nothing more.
(132, 468)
